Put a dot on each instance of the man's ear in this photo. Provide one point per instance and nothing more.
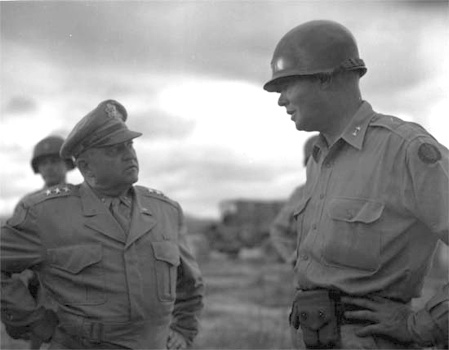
(326, 81)
(83, 166)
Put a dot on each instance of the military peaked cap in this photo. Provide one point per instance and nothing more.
(104, 126)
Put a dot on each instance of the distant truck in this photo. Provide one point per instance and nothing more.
(244, 224)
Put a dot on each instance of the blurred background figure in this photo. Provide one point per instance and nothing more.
(53, 169)
(48, 163)
(283, 229)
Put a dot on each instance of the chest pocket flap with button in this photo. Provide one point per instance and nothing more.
(76, 274)
(352, 237)
(355, 210)
(167, 258)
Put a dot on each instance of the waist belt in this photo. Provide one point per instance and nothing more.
(103, 331)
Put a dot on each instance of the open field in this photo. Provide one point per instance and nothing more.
(247, 304)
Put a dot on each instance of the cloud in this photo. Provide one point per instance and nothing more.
(20, 104)
(190, 75)
(156, 125)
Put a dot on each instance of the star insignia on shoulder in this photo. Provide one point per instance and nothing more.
(57, 190)
(159, 193)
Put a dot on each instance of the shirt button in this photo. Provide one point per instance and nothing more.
(305, 257)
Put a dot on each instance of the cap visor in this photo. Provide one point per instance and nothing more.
(119, 137)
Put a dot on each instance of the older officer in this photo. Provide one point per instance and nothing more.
(113, 255)
(375, 203)
(283, 228)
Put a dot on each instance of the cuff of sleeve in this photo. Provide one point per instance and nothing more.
(421, 327)
(188, 334)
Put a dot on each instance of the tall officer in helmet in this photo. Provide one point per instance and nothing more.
(375, 203)
(113, 255)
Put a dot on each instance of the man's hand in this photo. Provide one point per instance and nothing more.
(19, 332)
(387, 317)
(45, 327)
(176, 340)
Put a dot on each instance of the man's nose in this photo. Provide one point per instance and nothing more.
(129, 152)
(282, 101)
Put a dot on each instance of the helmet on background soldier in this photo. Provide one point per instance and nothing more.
(49, 146)
(314, 47)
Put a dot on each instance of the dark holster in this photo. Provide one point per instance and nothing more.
(316, 313)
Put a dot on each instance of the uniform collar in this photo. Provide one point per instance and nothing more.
(126, 199)
(91, 197)
(354, 133)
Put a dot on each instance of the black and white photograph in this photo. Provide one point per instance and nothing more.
(223, 174)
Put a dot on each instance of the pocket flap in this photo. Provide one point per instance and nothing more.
(300, 207)
(355, 210)
(75, 258)
(166, 251)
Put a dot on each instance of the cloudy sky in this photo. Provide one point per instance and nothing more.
(190, 74)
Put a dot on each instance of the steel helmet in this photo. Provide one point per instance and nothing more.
(314, 47)
(47, 147)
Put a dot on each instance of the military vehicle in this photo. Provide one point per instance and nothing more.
(244, 224)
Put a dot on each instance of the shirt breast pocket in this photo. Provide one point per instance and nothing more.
(354, 234)
(167, 258)
(76, 274)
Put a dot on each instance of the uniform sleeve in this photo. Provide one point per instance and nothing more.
(189, 290)
(429, 326)
(20, 250)
(282, 230)
(426, 192)
(426, 186)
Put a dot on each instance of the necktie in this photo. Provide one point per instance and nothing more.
(121, 213)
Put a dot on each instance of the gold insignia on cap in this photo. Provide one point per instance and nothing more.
(112, 112)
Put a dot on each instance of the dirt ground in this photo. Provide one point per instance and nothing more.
(247, 304)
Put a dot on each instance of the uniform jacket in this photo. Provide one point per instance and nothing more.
(374, 207)
(110, 286)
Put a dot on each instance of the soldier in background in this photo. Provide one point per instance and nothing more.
(375, 204)
(53, 169)
(48, 163)
(283, 229)
(113, 255)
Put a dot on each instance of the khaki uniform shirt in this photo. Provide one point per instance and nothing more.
(283, 228)
(123, 288)
(374, 206)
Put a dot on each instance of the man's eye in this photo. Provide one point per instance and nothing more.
(112, 150)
